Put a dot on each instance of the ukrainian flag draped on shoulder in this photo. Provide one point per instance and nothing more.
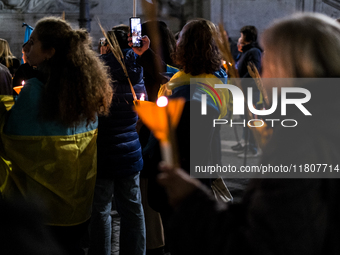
(46, 161)
(205, 83)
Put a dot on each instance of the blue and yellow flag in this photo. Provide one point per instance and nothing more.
(206, 84)
(28, 32)
(45, 162)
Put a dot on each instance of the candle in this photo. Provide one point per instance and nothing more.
(142, 97)
(166, 146)
(18, 88)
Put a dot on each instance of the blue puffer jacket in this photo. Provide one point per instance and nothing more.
(119, 149)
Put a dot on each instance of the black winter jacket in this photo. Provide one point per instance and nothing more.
(119, 149)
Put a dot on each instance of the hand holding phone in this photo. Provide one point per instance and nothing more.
(144, 47)
(136, 31)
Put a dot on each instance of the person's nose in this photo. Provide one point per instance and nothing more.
(26, 47)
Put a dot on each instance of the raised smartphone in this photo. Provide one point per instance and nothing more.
(136, 31)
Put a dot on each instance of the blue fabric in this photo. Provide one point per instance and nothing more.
(171, 69)
(28, 32)
(118, 141)
(127, 197)
(23, 118)
(222, 75)
(193, 92)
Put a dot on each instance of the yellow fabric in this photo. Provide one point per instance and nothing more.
(59, 172)
(181, 78)
(6, 103)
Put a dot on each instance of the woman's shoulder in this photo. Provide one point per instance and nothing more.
(34, 82)
(254, 51)
(32, 88)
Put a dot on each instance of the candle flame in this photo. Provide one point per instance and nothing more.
(162, 101)
(142, 97)
(230, 64)
(23, 83)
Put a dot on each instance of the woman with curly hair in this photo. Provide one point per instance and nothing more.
(197, 56)
(49, 137)
(196, 52)
(7, 58)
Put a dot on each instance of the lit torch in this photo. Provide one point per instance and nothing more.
(162, 119)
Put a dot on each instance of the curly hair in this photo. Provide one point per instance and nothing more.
(77, 86)
(196, 50)
(5, 53)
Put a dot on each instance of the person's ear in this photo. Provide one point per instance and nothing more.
(50, 53)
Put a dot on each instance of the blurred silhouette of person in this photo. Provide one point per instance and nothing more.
(7, 58)
(119, 160)
(23, 230)
(103, 47)
(24, 72)
(277, 216)
(251, 53)
(5, 81)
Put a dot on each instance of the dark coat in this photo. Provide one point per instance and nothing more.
(6, 87)
(250, 53)
(119, 150)
(277, 216)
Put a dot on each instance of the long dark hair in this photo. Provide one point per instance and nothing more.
(77, 84)
(166, 40)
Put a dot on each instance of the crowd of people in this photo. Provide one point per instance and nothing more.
(73, 146)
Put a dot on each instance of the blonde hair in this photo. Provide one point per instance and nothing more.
(77, 84)
(5, 53)
(304, 45)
